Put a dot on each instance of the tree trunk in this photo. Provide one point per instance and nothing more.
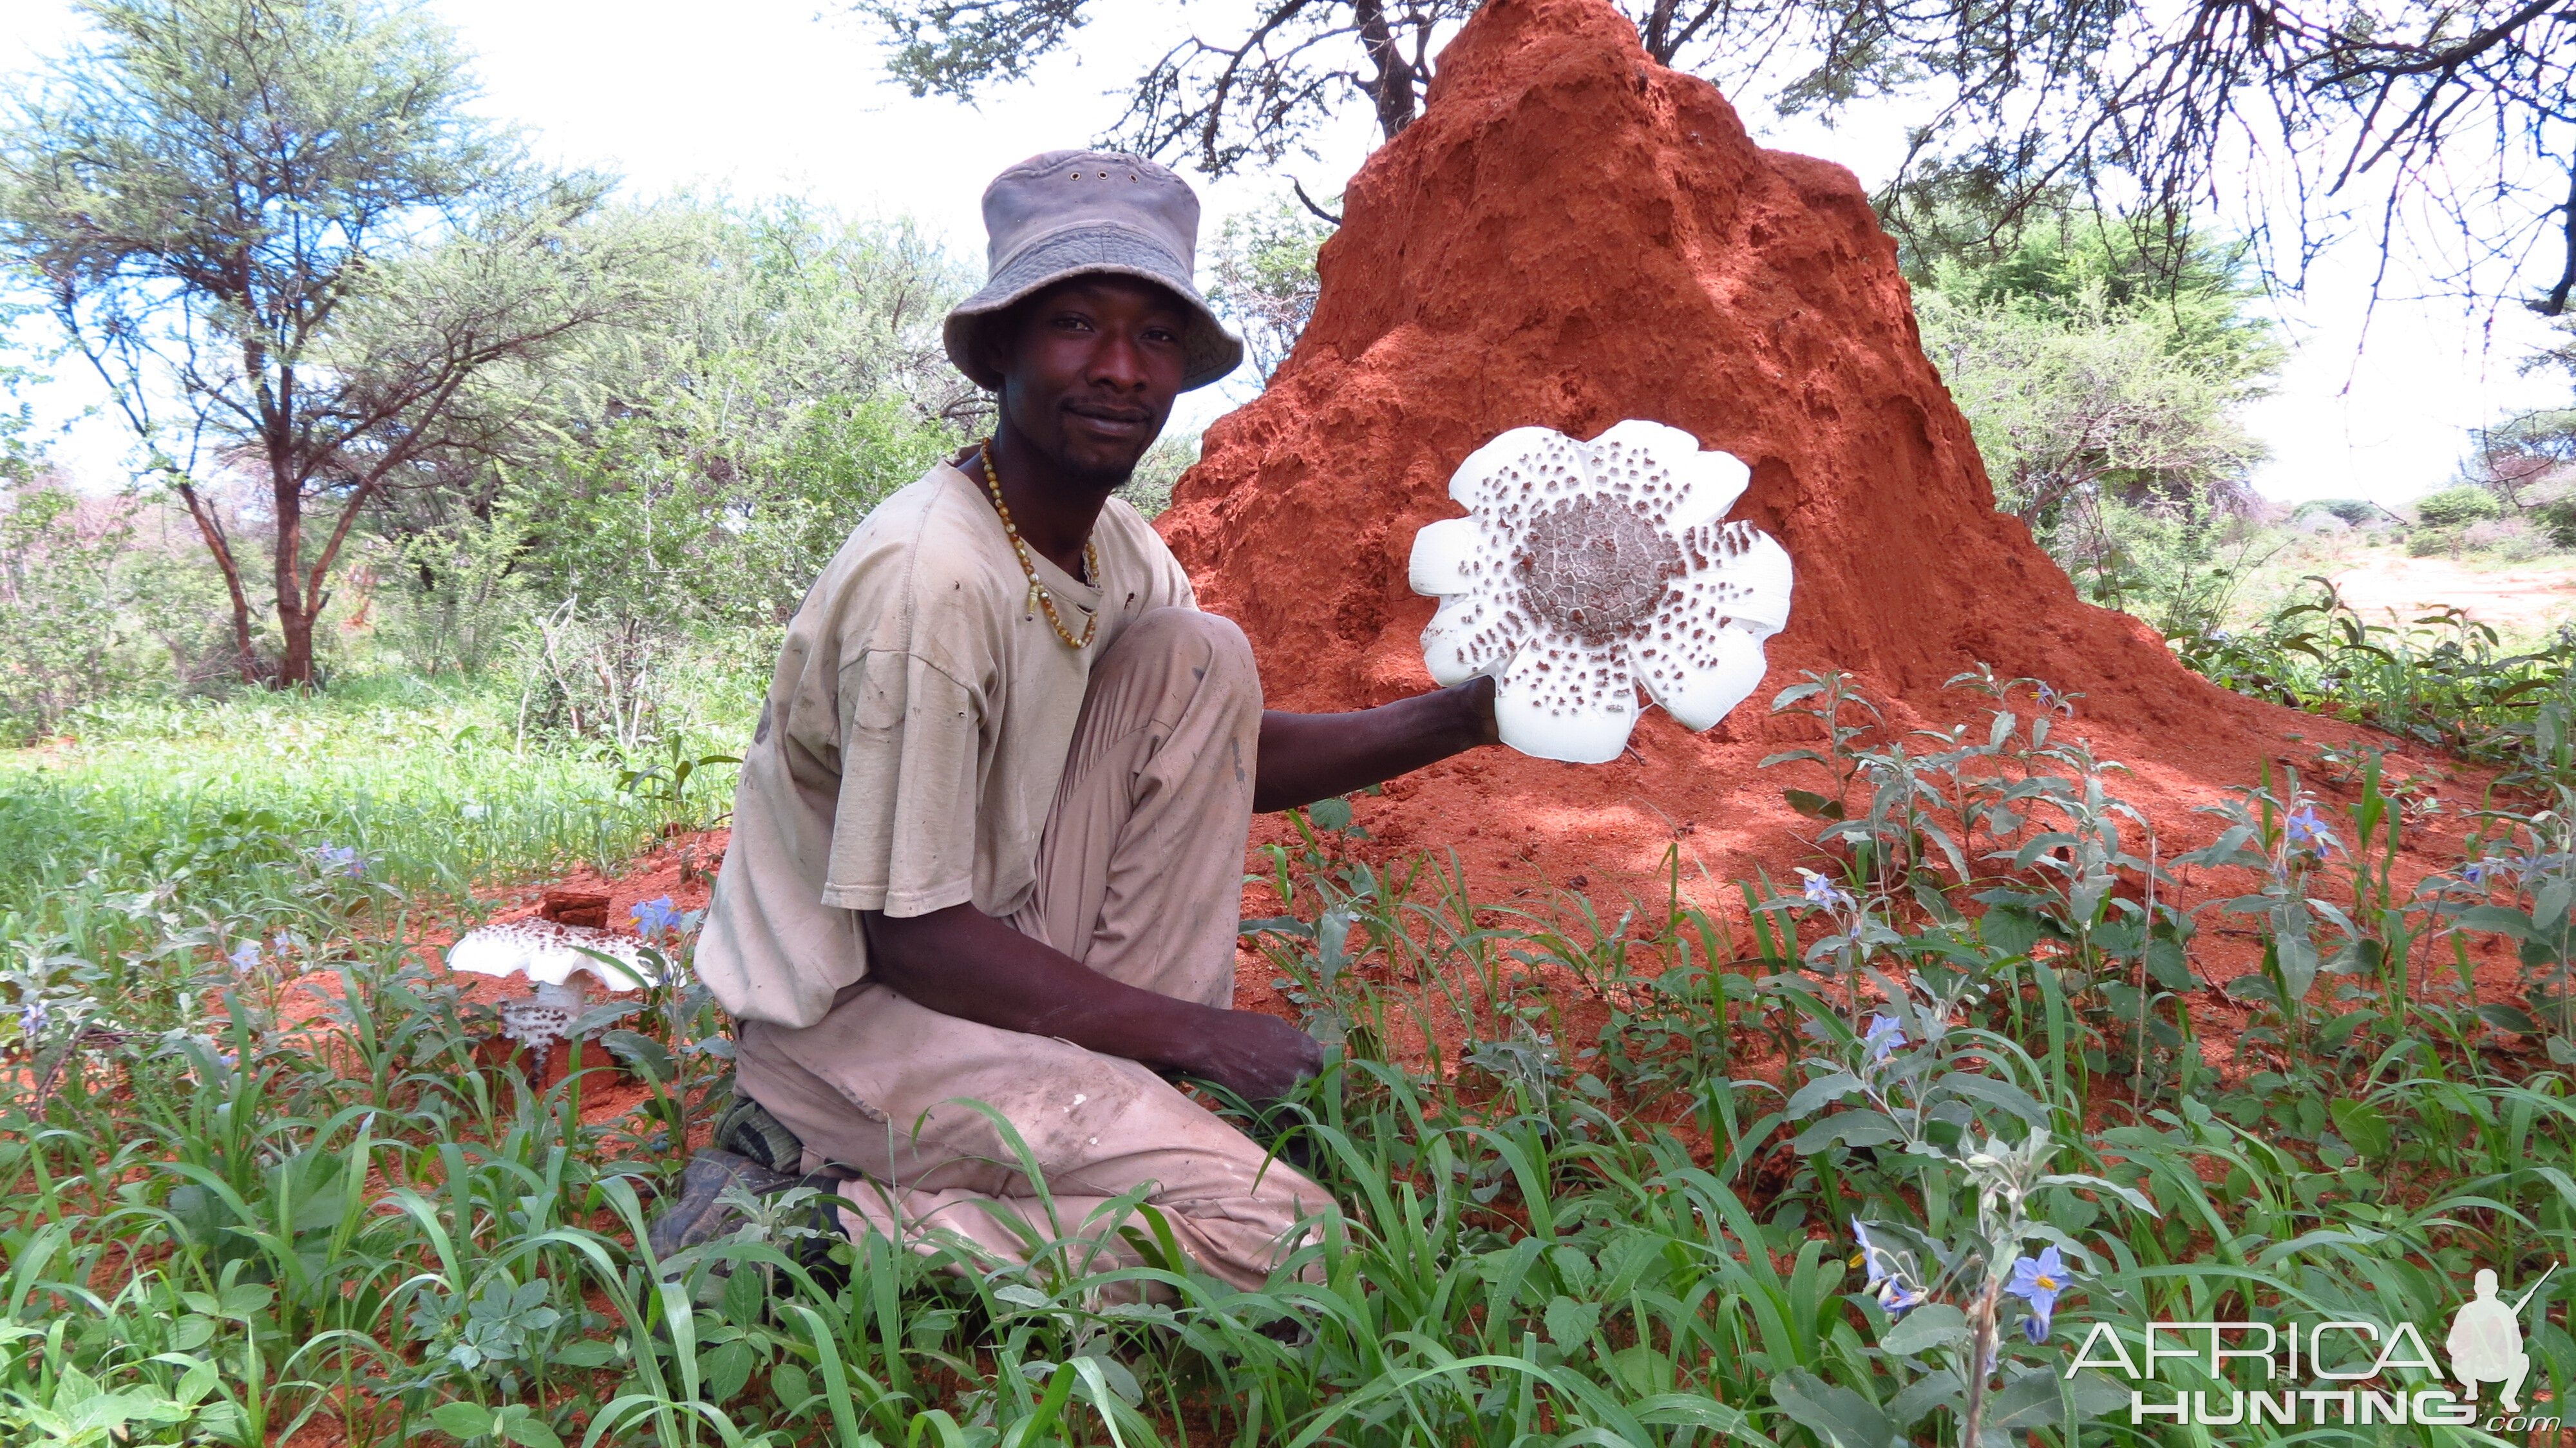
(2554, 302)
(1658, 31)
(294, 620)
(315, 596)
(1392, 89)
(295, 661)
(211, 528)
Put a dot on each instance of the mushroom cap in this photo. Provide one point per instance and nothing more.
(1583, 571)
(549, 953)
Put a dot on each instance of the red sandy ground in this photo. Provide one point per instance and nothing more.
(684, 870)
(2388, 587)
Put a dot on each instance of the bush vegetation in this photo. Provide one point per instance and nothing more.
(661, 491)
(262, 1177)
(2445, 679)
(2520, 482)
(2457, 507)
(2351, 512)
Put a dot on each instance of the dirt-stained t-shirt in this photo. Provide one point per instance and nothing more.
(912, 740)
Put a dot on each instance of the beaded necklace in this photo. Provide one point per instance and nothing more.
(1039, 596)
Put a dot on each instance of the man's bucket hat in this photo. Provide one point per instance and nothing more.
(1068, 213)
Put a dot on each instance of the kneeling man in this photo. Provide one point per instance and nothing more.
(989, 838)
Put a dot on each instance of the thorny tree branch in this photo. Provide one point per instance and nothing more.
(2287, 109)
(2457, 120)
(1215, 101)
(1310, 204)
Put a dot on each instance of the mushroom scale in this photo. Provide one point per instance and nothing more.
(1586, 569)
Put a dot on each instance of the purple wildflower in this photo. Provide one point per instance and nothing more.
(2492, 870)
(660, 917)
(1822, 891)
(2037, 1281)
(1898, 1298)
(2309, 832)
(1886, 1278)
(1885, 1037)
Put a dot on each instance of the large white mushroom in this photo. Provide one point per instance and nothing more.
(1585, 569)
(554, 957)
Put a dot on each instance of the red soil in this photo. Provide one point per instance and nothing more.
(1572, 235)
(683, 870)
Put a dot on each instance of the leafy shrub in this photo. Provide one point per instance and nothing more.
(2446, 681)
(1264, 266)
(2351, 510)
(92, 605)
(691, 471)
(2176, 566)
(57, 596)
(1172, 454)
(2559, 520)
(2070, 404)
(456, 594)
(2511, 539)
(2458, 507)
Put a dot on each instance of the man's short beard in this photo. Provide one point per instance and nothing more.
(1107, 481)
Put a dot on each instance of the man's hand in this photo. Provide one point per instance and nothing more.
(961, 962)
(1307, 757)
(1259, 1058)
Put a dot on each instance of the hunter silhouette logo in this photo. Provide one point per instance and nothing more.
(2318, 1373)
(2486, 1341)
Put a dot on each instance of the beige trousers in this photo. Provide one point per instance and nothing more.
(1140, 878)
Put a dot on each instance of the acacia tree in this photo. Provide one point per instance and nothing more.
(18, 456)
(1264, 266)
(270, 227)
(2105, 396)
(2312, 115)
(1253, 93)
(2530, 460)
(700, 460)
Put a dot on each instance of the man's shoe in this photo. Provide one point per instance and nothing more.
(698, 1213)
(746, 1129)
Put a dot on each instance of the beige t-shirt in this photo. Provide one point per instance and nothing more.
(912, 740)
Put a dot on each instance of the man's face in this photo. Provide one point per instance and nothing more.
(1091, 373)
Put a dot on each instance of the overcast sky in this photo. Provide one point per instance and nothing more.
(762, 96)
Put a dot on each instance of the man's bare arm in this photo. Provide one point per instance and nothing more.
(1307, 757)
(961, 962)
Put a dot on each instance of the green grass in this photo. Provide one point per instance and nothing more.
(216, 816)
(2442, 679)
(1619, 1213)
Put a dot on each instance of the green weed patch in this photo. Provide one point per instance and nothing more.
(1863, 1162)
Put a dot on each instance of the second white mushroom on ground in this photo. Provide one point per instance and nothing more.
(555, 958)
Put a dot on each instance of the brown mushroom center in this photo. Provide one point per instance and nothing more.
(1595, 567)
